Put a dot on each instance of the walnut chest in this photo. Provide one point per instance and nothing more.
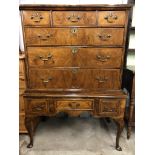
(74, 61)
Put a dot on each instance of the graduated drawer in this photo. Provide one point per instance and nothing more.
(36, 18)
(74, 104)
(74, 36)
(111, 18)
(75, 57)
(36, 106)
(74, 78)
(74, 18)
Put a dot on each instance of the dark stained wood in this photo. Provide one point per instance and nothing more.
(74, 36)
(74, 7)
(74, 62)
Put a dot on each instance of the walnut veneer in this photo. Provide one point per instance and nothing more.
(74, 61)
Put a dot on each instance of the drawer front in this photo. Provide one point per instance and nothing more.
(74, 78)
(109, 106)
(75, 57)
(36, 18)
(111, 18)
(36, 106)
(50, 57)
(74, 36)
(65, 105)
(21, 101)
(74, 18)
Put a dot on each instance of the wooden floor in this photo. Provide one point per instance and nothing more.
(77, 136)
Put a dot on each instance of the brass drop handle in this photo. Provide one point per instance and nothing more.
(38, 107)
(104, 36)
(74, 18)
(74, 50)
(111, 17)
(36, 17)
(102, 58)
(74, 105)
(46, 59)
(101, 79)
(44, 37)
(46, 80)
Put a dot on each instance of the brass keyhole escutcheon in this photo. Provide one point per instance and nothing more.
(74, 30)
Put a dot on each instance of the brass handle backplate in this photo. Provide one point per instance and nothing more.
(74, 18)
(49, 57)
(74, 105)
(44, 37)
(101, 79)
(46, 80)
(102, 58)
(36, 17)
(104, 37)
(111, 17)
(40, 107)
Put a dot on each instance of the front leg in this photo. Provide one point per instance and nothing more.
(29, 124)
(120, 126)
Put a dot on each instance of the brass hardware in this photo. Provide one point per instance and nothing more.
(45, 37)
(46, 81)
(74, 18)
(38, 107)
(74, 30)
(104, 36)
(108, 110)
(74, 105)
(101, 79)
(74, 50)
(74, 70)
(48, 58)
(111, 17)
(102, 58)
(36, 17)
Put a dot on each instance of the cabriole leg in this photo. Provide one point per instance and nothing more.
(120, 126)
(29, 124)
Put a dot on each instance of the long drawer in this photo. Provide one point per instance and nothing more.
(74, 78)
(74, 36)
(74, 57)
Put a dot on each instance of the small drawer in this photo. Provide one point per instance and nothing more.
(36, 18)
(36, 106)
(109, 106)
(74, 18)
(63, 105)
(21, 101)
(111, 18)
(22, 82)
